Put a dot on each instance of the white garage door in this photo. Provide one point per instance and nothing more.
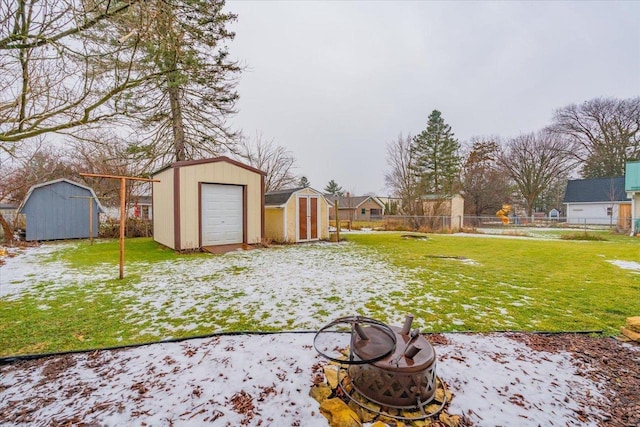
(221, 214)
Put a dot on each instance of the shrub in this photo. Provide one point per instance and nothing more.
(135, 227)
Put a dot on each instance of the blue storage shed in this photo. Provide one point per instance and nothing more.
(60, 209)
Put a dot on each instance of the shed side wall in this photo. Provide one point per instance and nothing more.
(274, 222)
(457, 212)
(292, 218)
(163, 215)
(323, 218)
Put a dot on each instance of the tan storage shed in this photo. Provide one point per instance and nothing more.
(210, 202)
(296, 215)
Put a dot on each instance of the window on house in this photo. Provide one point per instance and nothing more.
(609, 211)
(363, 211)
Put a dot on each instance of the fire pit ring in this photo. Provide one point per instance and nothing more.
(367, 339)
(390, 366)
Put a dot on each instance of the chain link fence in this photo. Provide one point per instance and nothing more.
(444, 223)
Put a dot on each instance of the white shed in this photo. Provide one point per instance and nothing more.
(210, 202)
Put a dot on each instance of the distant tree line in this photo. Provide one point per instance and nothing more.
(128, 86)
(590, 140)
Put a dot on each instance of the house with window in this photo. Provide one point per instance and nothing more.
(598, 201)
(355, 208)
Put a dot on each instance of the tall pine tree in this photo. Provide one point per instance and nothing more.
(334, 189)
(437, 163)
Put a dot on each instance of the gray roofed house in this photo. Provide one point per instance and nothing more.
(598, 201)
(355, 208)
(595, 190)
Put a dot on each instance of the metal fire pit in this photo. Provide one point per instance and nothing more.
(391, 366)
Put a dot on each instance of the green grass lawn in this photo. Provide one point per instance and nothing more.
(449, 283)
(485, 284)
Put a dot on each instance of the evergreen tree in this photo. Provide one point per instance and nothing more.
(304, 182)
(437, 163)
(181, 114)
(334, 189)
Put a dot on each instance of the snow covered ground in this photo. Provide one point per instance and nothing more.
(265, 380)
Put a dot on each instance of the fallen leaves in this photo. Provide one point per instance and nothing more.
(242, 403)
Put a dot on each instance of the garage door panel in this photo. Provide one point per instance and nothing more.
(222, 213)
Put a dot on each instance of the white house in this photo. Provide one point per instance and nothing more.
(598, 201)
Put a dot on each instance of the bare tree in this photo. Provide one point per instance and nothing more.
(161, 67)
(51, 77)
(107, 153)
(606, 130)
(400, 177)
(33, 164)
(534, 160)
(553, 195)
(484, 185)
(275, 160)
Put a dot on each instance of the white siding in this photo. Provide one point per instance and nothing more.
(592, 213)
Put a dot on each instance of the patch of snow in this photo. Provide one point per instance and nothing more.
(626, 265)
(24, 272)
(504, 382)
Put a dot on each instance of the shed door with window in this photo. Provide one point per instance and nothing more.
(307, 218)
(222, 214)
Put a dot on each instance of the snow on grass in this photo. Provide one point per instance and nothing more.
(626, 265)
(26, 272)
(290, 287)
(293, 287)
(265, 380)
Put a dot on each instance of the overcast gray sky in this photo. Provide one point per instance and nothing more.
(334, 82)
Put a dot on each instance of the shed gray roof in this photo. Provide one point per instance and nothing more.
(595, 190)
(280, 197)
(55, 181)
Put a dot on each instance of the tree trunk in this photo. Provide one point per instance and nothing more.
(177, 123)
(7, 229)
